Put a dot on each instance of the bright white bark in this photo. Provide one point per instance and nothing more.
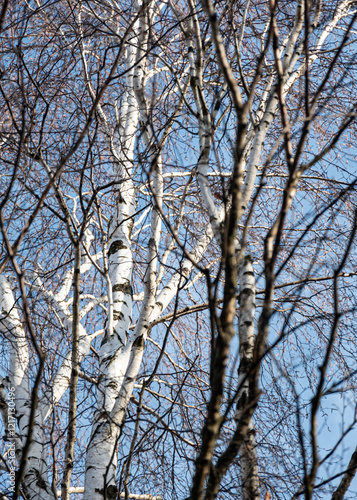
(120, 358)
(35, 476)
(101, 458)
(61, 380)
(247, 452)
(101, 454)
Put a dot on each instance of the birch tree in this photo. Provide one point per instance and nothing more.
(178, 217)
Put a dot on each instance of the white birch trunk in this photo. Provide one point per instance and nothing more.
(120, 358)
(101, 455)
(101, 458)
(247, 452)
(36, 471)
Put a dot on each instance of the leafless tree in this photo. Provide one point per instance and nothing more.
(178, 217)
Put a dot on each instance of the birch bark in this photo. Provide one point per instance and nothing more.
(101, 458)
(137, 143)
(248, 450)
(36, 470)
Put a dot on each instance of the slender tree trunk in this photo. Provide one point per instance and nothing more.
(247, 451)
(101, 458)
(35, 477)
(72, 413)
